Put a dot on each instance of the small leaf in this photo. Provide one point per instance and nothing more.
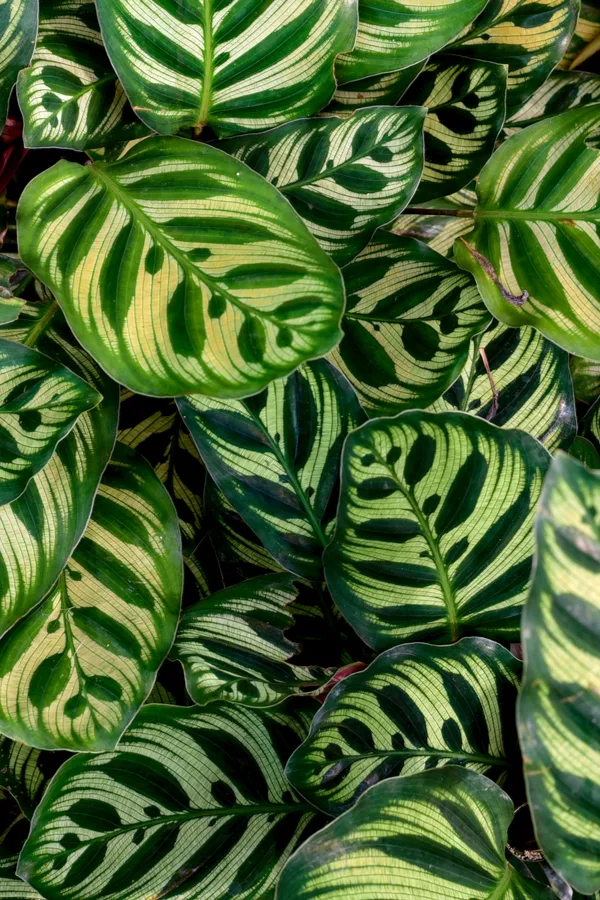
(17, 40)
(24, 772)
(586, 378)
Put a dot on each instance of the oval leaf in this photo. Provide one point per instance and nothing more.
(561, 92)
(17, 40)
(586, 378)
(377, 90)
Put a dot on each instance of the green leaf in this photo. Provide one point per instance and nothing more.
(40, 401)
(39, 530)
(194, 803)
(587, 28)
(74, 672)
(180, 269)
(416, 707)
(345, 177)
(17, 39)
(561, 92)
(433, 537)
(535, 252)
(236, 67)
(586, 378)
(466, 105)
(528, 386)
(559, 707)
(232, 645)
(409, 320)
(393, 35)
(377, 90)
(590, 424)
(275, 456)
(24, 772)
(440, 833)
(69, 95)
(440, 231)
(12, 275)
(585, 452)
(528, 36)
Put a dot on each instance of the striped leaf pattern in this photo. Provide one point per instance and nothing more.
(74, 672)
(528, 36)
(590, 424)
(393, 35)
(39, 530)
(440, 833)
(377, 90)
(528, 387)
(586, 378)
(433, 537)
(40, 401)
(18, 29)
(236, 65)
(232, 645)
(559, 707)
(561, 92)
(69, 95)
(345, 177)
(24, 772)
(410, 316)
(276, 455)
(194, 803)
(587, 28)
(180, 269)
(535, 251)
(416, 707)
(440, 231)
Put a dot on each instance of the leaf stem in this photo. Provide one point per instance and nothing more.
(425, 211)
(41, 325)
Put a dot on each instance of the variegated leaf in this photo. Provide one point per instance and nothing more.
(438, 229)
(433, 536)
(590, 424)
(535, 251)
(18, 28)
(586, 30)
(585, 451)
(559, 706)
(24, 773)
(13, 278)
(345, 177)
(194, 803)
(561, 92)
(180, 269)
(586, 378)
(237, 65)
(39, 530)
(528, 385)
(409, 320)
(69, 95)
(276, 455)
(377, 90)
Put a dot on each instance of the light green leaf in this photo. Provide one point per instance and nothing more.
(69, 95)
(535, 252)
(528, 386)
(74, 672)
(559, 707)
(409, 320)
(377, 90)
(40, 401)
(416, 707)
(393, 35)
(24, 772)
(232, 645)
(433, 537)
(586, 378)
(276, 455)
(18, 29)
(237, 66)
(39, 530)
(10, 308)
(437, 230)
(180, 269)
(440, 833)
(561, 92)
(585, 452)
(345, 177)
(193, 803)
(528, 36)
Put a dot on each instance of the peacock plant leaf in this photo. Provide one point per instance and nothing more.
(561, 92)
(193, 802)
(18, 29)
(449, 219)
(439, 833)
(559, 706)
(410, 316)
(24, 773)
(433, 536)
(233, 65)
(376, 90)
(535, 250)
(416, 707)
(180, 269)
(276, 456)
(586, 30)
(586, 378)
(345, 177)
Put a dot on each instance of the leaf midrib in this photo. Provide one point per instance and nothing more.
(209, 65)
(543, 216)
(408, 753)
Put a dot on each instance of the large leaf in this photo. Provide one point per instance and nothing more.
(69, 95)
(345, 177)
(440, 833)
(74, 672)
(18, 28)
(236, 65)
(528, 385)
(275, 456)
(393, 35)
(409, 320)
(193, 804)
(233, 647)
(39, 530)
(416, 707)
(528, 36)
(433, 537)
(559, 707)
(535, 251)
(180, 269)
(562, 91)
